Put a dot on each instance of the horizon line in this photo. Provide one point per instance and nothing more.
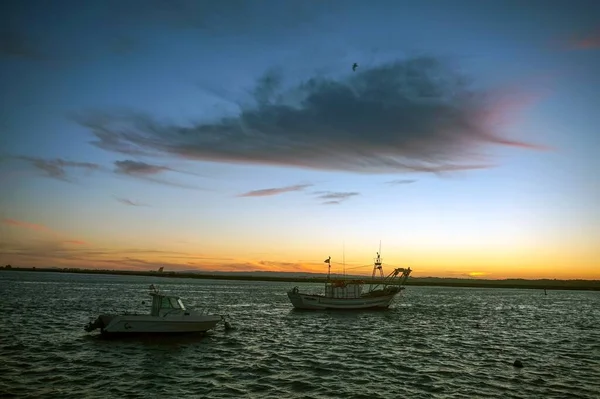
(208, 272)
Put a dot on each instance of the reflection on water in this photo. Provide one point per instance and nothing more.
(432, 343)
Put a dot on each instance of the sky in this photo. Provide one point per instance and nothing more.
(236, 136)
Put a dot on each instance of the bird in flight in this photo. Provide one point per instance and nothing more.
(354, 66)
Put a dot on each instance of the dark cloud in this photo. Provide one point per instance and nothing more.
(137, 168)
(19, 21)
(57, 168)
(412, 115)
(274, 191)
(401, 181)
(333, 197)
(129, 202)
(148, 172)
(14, 44)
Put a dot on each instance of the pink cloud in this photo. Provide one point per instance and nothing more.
(26, 225)
(41, 228)
(587, 41)
(507, 106)
(591, 42)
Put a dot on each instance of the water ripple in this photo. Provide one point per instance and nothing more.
(432, 343)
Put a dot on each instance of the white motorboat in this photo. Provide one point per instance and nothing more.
(348, 294)
(168, 315)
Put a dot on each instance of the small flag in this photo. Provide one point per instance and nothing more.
(328, 260)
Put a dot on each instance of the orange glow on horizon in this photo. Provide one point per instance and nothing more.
(81, 255)
(35, 245)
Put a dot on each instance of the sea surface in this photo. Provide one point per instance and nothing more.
(433, 342)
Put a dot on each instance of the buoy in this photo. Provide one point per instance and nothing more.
(518, 363)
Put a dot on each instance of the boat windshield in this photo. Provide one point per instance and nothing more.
(171, 303)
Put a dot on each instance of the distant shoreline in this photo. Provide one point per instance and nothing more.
(585, 285)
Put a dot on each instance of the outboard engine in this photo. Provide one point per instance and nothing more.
(101, 322)
(91, 326)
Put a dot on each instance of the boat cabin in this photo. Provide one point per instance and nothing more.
(163, 303)
(342, 289)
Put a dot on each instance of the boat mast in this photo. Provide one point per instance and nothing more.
(376, 266)
(328, 261)
(344, 257)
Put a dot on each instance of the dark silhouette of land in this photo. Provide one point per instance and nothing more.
(590, 285)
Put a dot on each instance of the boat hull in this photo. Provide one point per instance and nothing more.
(315, 302)
(145, 324)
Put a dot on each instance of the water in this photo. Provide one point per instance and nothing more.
(432, 343)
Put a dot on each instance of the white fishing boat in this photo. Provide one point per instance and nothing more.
(348, 294)
(168, 315)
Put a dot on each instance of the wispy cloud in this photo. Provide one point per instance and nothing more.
(72, 253)
(43, 229)
(63, 170)
(410, 115)
(129, 202)
(136, 168)
(299, 266)
(26, 225)
(333, 197)
(148, 172)
(589, 41)
(400, 181)
(274, 191)
(57, 168)
(75, 242)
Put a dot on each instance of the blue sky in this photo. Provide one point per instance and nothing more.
(161, 76)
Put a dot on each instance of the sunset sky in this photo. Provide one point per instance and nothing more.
(235, 136)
